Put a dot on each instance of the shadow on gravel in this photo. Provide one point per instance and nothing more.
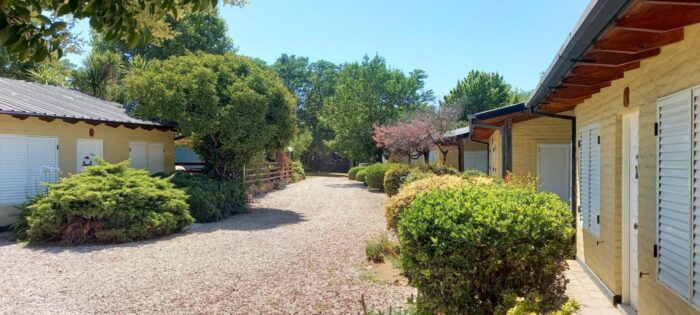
(253, 219)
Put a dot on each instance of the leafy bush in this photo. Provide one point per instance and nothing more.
(411, 191)
(361, 175)
(374, 174)
(472, 172)
(468, 249)
(395, 177)
(107, 203)
(380, 247)
(416, 175)
(352, 172)
(211, 199)
(437, 169)
(298, 172)
(532, 304)
(528, 182)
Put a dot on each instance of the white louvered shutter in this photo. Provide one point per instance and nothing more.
(594, 180)
(138, 153)
(155, 157)
(553, 169)
(42, 163)
(673, 171)
(584, 178)
(696, 196)
(13, 170)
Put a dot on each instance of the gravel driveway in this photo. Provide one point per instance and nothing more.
(298, 251)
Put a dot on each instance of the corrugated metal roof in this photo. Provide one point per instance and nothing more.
(34, 99)
(457, 132)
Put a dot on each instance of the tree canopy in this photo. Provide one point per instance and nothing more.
(368, 93)
(34, 29)
(231, 107)
(481, 91)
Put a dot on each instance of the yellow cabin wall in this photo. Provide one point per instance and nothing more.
(115, 143)
(677, 68)
(525, 136)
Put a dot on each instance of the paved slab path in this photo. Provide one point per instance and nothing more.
(298, 251)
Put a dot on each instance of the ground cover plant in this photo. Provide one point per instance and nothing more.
(107, 203)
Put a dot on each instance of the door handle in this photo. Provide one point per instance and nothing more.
(636, 225)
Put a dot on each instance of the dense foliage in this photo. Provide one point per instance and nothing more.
(209, 199)
(437, 169)
(397, 204)
(395, 177)
(231, 106)
(481, 91)
(298, 172)
(35, 29)
(374, 174)
(107, 203)
(366, 94)
(352, 172)
(467, 250)
(360, 176)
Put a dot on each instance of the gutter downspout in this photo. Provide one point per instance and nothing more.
(574, 179)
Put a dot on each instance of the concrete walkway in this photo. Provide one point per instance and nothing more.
(582, 289)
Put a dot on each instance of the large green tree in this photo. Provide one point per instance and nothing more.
(481, 91)
(202, 31)
(368, 93)
(232, 108)
(34, 29)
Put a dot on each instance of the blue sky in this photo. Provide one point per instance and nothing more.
(445, 38)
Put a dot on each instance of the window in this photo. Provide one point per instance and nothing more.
(589, 178)
(678, 172)
(147, 155)
(26, 163)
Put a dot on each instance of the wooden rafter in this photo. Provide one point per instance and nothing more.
(614, 59)
(659, 17)
(589, 80)
(629, 41)
(674, 2)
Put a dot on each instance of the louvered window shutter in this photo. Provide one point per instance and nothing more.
(696, 197)
(594, 180)
(674, 203)
(584, 170)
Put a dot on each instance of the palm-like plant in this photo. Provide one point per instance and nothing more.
(48, 74)
(100, 74)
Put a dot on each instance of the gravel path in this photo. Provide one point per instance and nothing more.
(298, 251)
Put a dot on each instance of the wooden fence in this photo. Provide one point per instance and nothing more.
(267, 172)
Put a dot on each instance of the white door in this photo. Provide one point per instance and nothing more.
(630, 203)
(476, 160)
(553, 169)
(155, 157)
(42, 163)
(138, 153)
(86, 152)
(26, 164)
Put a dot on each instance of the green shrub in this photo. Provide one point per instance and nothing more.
(352, 173)
(532, 304)
(468, 249)
(395, 177)
(211, 199)
(360, 176)
(379, 248)
(298, 172)
(528, 182)
(411, 191)
(107, 203)
(374, 174)
(472, 172)
(416, 175)
(437, 169)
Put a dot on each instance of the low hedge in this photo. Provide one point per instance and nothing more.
(437, 169)
(395, 177)
(411, 191)
(209, 199)
(298, 172)
(352, 172)
(374, 174)
(469, 250)
(360, 176)
(107, 203)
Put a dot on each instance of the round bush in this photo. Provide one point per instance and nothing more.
(468, 249)
(360, 176)
(416, 175)
(395, 177)
(107, 203)
(410, 192)
(352, 172)
(374, 174)
(437, 169)
(210, 199)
